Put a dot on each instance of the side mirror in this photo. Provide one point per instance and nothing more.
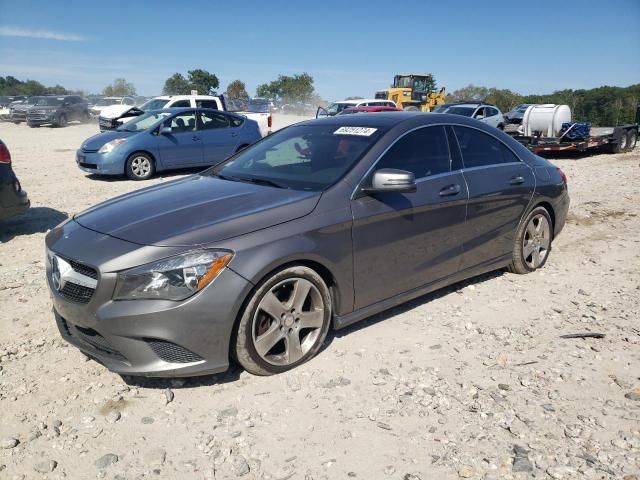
(165, 130)
(392, 180)
(321, 112)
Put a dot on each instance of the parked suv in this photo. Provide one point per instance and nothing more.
(58, 110)
(485, 112)
(18, 111)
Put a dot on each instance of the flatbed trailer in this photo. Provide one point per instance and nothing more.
(622, 138)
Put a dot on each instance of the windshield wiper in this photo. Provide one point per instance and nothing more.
(256, 180)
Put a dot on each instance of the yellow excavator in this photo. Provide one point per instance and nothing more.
(414, 92)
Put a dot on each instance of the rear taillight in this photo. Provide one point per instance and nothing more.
(269, 121)
(5, 156)
(562, 175)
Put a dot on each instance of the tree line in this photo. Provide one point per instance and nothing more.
(602, 106)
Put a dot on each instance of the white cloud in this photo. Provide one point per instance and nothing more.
(8, 31)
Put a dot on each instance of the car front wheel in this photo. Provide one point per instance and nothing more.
(140, 166)
(532, 242)
(284, 323)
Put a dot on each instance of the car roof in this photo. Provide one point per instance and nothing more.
(362, 100)
(182, 97)
(377, 108)
(182, 109)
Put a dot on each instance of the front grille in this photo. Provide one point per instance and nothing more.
(92, 166)
(76, 293)
(172, 353)
(83, 269)
(91, 338)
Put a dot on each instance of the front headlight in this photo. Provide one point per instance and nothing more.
(174, 278)
(109, 146)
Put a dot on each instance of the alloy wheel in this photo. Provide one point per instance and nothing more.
(536, 241)
(140, 166)
(288, 321)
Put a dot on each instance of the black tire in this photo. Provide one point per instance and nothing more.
(33, 125)
(632, 140)
(140, 166)
(61, 122)
(253, 319)
(85, 117)
(621, 145)
(519, 261)
(411, 108)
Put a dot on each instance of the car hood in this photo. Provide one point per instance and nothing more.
(47, 108)
(196, 210)
(93, 144)
(114, 111)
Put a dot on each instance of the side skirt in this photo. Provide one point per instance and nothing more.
(365, 312)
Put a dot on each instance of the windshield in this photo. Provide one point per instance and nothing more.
(456, 110)
(31, 100)
(50, 101)
(155, 104)
(143, 122)
(335, 108)
(305, 157)
(105, 102)
(521, 108)
(403, 82)
(258, 106)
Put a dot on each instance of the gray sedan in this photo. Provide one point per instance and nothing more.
(315, 227)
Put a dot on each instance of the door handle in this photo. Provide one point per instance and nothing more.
(234, 134)
(195, 138)
(516, 181)
(450, 190)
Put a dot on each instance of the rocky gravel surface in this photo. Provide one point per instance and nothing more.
(475, 381)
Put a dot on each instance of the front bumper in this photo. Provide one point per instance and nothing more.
(155, 338)
(99, 163)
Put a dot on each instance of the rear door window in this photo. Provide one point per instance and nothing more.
(207, 104)
(210, 120)
(480, 149)
(181, 103)
(424, 152)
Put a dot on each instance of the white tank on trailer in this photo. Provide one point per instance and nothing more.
(545, 120)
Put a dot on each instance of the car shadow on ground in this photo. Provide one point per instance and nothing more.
(410, 305)
(34, 220)
(170, 175)
(231, 375)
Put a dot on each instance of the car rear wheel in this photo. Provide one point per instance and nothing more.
(62, 121)
(532, 242)
(284, 323)
(632, 140)
(140, 166)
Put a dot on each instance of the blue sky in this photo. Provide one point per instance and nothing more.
(349, 47)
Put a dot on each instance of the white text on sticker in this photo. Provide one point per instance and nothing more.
(361, 131)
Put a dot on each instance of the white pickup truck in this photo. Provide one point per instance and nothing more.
(115, 115)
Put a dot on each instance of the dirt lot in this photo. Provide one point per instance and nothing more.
(471, 382)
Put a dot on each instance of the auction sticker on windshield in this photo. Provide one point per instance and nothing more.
(360, 131)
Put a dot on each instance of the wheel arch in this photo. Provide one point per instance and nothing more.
(140, 150)
(325, 273)
(549, 208)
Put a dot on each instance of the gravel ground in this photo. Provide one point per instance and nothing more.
(470, 382)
